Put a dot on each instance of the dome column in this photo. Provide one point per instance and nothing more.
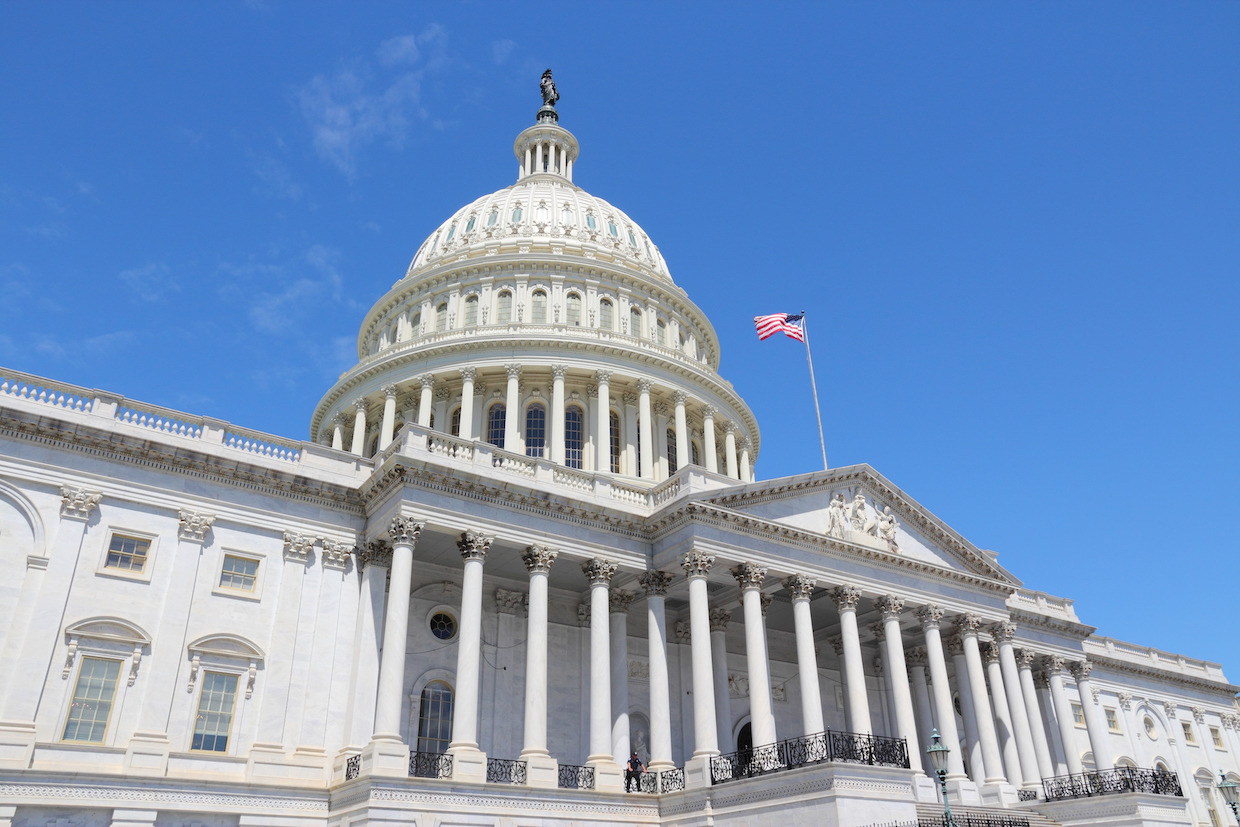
(467, 403)
(388, 425)
(359, 427)
(708, 440)
(746, 474)
(338, 432)
(557, 413)
(512, 403)
(645, 428)
(426, 400)
(682, 431)
(729, 448)
(602, 457)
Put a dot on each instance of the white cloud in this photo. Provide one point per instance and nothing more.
(151, 282)
(403, 49)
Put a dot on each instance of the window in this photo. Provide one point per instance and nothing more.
(215, 712)
(539, 307)
(1078, 715)
(635, 321)
(671, 452)
(471, 311)
(632, 240)
(1217, 738)
(495, 424)
(611, 228)
(92, 700)
(535, 430)
(239, 573)
(451, 232)
(590, 222)
(566, 214)
(492, 218)
(443, 625)
(441, 316)
(660, 332)
(1189, 738)
(1112, 720)
(455, 422)
(503, 308)
(695, 455)
(415, 325)
(516, 215)
(127, 553)
(615, 442)
(469, 227)
(574, 310)
(435, 718)
(605, 315)
(1150, 729)
(574, 419)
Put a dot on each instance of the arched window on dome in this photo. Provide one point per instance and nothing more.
(535, 430)
(496, 418)
(605, 320)
(615, 442)
(435, 718)
(574, 432)
(493, 218)
(635, 321)
(454, 427)
(451, 233)
(538, 307)
(695, 454)
(471, 311)
(591, 222)
(573, 304)
(469, 227)
(441, 317)
(566, 215)
(415, 324)
(660, 332)
(632, 240)
(503, 308)
(671, 452)
(516, 214)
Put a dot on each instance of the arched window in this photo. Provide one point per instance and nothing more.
(493, 217)
(660, 332)
(495, 424)
(415, 324)
(615, 442)
(451, 232)
(471, 311)
(695, 455)
(574, 310)
(574, 420)
(538, 304)
(605, 315)
(441, 316)
(469, 228)
(455, 420)
(435, 718)
(516, 214)
(503, 308)
(671, 452)
(635, 321)
(535, 430)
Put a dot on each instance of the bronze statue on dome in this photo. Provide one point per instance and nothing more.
(549, 93)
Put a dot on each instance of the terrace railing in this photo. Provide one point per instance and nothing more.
(430, 765)
(505, 771)
(822, 747)
(573, 777)
(1110, 782)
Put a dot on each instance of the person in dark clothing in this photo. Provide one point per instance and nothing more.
(633, 774)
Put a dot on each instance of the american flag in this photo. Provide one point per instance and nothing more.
(788, 324)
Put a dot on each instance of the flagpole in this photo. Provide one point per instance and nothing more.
(814, 385)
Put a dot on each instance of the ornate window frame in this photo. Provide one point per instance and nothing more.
(143, 576)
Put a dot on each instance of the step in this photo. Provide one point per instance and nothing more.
(932, 814)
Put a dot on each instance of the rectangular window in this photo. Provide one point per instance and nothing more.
(1188, 732)
(1112, 720)
(92, 700)
(1078, 715)
(127, 553)
(1217, 738)
(238, 573)
(215, 712)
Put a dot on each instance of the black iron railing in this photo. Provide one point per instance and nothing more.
(1109, 782)
(576, 778)
(823, 747)
(672, 781)
(430, 765)
(1027, 795)
(647, 782)
(974, 820)
(353, 767)
(505, 771)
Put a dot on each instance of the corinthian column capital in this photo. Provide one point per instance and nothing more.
(473, 545)
(799, 586)
(749, 576)
(78, 503)
(599, 571)
(655, 583)
(846, 597)
(538, 558)
(194, 525)
(890, 606)
(930, 615)
(697, 563)
(404, 531)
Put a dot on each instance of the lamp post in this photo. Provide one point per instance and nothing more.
(937, 753)
(1231, 793)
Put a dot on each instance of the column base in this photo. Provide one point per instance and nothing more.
(697, 772)
(386, 758)
(268, 763)
(134, 818)
(1000, 795)
(541, 771)
(147, 754)
(660, 766)
(16, 744)
(608, 777)
(469, 764)
(340, 764)
(964, 791)
(925, 789)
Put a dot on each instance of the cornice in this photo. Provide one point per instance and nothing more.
(1118, 665)
(1027, 619)
(36, 787)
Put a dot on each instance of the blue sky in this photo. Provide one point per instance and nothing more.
(1015, 228)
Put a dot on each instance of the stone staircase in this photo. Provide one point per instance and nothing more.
(933, 814)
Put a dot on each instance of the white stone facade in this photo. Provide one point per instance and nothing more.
(205, 625)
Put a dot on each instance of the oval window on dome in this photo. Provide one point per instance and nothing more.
(590, 222)
(632, 240)
(451, 232)
(492, 218)
(469, 227)
(516, 215)
(611, 228)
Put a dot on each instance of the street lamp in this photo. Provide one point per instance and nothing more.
(1231, 793)
(937, 753)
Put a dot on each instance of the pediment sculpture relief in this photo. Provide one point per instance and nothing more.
(856, 522)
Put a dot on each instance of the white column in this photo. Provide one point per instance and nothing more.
(538, 560)
(619, 602)
(426, 401)
(375, 559)
(646, 428)
(403, 532)
(973, 743)
(359, 427)
(599, 572)
(1054, 668)
(916, 660)
(602, 445)
(655, 584)
(469, 762)
(1095, 723)
(729, 449)
(891, 608)
(1003, 716)
(944, 711)
(762, 718)
(705, 738)
(968, 625)
(388, 425)
(801, 588)
(682, 431)
(467, 406)
(441, 410)
(708, 440)
(745, 475)
(719, 619)
(338, 432)
(557, 413)
(1003, 634)
(1033, 712)
(630, 434)
(512, 408)
(846, 599)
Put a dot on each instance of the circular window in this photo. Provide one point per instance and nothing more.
(443, 625)
(1150, 729)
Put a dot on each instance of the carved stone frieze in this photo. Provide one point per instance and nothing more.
(655, 583)
(749, 576)
(78, 503)
(404, 531)
(697, 563)
(539, 558)
(473, 545)
(799, 586)
(193, 525)
(599, 571)
(619, 600)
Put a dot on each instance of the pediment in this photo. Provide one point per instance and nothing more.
(113, 629)
(228, 646)
(858, 506)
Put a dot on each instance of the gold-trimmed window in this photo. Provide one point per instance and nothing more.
(127, 553)
(93, 696)
(216, 702)
(238, 573)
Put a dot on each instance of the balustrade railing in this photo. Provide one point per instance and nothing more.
(822, 747)
(573, 777)
(672, 781)
(430, 765)
(505, 771)
(1026, 795)
(353, 767)
(1110, 782)
(973, 820)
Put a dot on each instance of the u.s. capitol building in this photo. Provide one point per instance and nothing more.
(523, 541)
